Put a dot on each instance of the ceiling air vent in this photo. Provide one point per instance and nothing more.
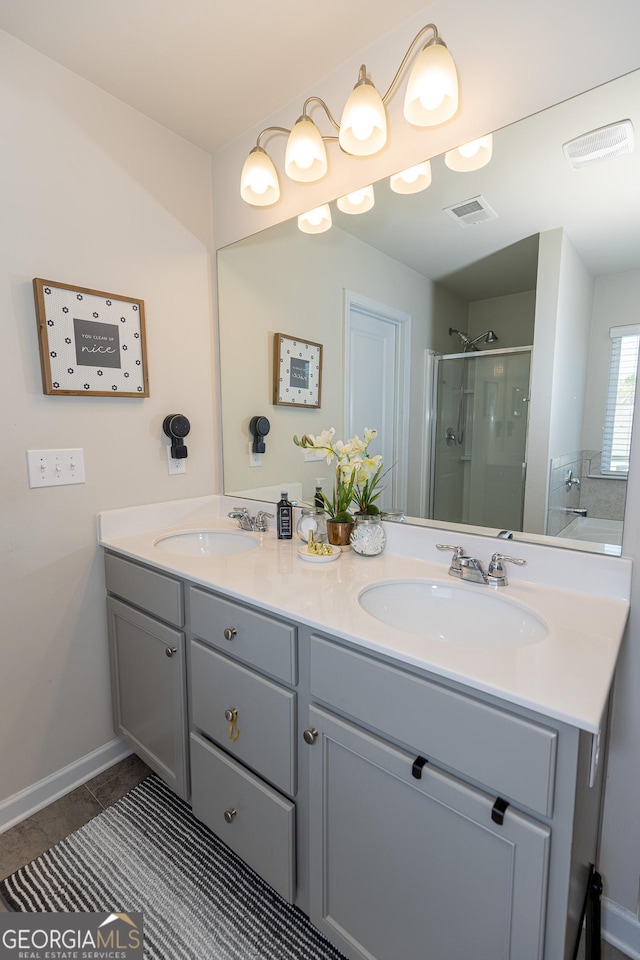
(601, 144)
(470, 212)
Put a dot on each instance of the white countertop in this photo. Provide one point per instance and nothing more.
(566, 676)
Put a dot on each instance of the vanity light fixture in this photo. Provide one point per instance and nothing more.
(305, 159)
(412, 180)
(431, 98)
(259, 181)
(315, 221)
(470, 156)
(357, 202)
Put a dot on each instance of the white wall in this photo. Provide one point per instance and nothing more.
(93, 194)
(288, 282)
(571, 349)
(510, 317)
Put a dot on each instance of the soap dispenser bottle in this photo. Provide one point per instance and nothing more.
(285, 518)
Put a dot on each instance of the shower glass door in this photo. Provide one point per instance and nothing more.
(480, 438)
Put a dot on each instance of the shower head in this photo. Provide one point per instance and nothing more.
(468, 344)
(487, 337)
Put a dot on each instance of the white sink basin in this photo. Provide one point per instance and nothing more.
(460, 614)
(207, 543)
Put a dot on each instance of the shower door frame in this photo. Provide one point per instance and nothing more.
(471, 355)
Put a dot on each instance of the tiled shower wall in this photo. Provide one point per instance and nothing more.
(602, 497)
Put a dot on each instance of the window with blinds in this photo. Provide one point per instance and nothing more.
(623, 368)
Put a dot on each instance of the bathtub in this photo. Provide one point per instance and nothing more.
(594, 530)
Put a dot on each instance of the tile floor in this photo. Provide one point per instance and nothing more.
(29, 839)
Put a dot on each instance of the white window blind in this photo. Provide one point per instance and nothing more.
(623, 369)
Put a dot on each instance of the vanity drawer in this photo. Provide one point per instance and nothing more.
(266, 715)
(261, 829)
(263, 642)
(148, 589)
(510, 755)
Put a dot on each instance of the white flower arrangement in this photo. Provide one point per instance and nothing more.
(357, 473)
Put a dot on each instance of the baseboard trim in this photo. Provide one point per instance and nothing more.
(27, 802)
(621, 928)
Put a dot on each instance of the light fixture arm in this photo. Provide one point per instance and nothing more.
(332, 119)
(434, 39)
(270, 130)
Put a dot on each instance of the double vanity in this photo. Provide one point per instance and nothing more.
(414, 760)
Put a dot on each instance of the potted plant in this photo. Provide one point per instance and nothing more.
(356, 478)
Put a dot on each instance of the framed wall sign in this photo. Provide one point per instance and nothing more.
(297, 371)
(91, 343)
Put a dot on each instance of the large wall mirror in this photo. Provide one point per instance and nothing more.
(537, 262)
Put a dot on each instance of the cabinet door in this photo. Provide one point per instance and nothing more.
(415, 868)
(148, 682)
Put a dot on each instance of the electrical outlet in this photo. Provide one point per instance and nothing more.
(255, 459)
(312, 455)
(176, 466)
(55, 468)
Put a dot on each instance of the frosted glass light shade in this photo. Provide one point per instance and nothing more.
(470, 156)
(432, 89)
(259, 184)
(363, 127)
(305, 158)
(412, 180)
(315, 221)
(357, 202)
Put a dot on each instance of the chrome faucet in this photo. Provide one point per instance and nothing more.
(470, 569)
(257, 524)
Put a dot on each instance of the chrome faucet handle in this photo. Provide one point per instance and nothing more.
(261, 523)
(455, 570)
(496, 575)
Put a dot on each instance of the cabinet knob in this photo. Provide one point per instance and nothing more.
(231, 716)
(229, 633)
(169, 651)
(229, 814)
(310, 735)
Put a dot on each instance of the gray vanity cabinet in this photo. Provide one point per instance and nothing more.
(407, 815)
(441, 824)
(417, 862)
(148, 669)
(243, 733)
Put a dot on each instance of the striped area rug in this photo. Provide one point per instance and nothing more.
(199, 900)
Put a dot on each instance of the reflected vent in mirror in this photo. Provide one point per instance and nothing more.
(602, 144)
(470, 212)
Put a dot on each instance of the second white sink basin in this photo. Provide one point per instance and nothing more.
(463, 615)
(207, 543)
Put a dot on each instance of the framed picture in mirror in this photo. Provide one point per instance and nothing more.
(297, 372)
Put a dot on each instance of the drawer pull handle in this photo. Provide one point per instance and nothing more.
(229, 633)
(169, 651)
(498, 811)
(416, 767)
(229, 815)
(310, 736)
(231, 716)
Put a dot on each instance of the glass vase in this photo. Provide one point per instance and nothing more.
(368, 537)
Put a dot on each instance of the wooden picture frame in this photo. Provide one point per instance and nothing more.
(297, 372)
(92, 343)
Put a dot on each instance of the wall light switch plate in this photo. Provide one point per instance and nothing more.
(176, 466)
(55, 468)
